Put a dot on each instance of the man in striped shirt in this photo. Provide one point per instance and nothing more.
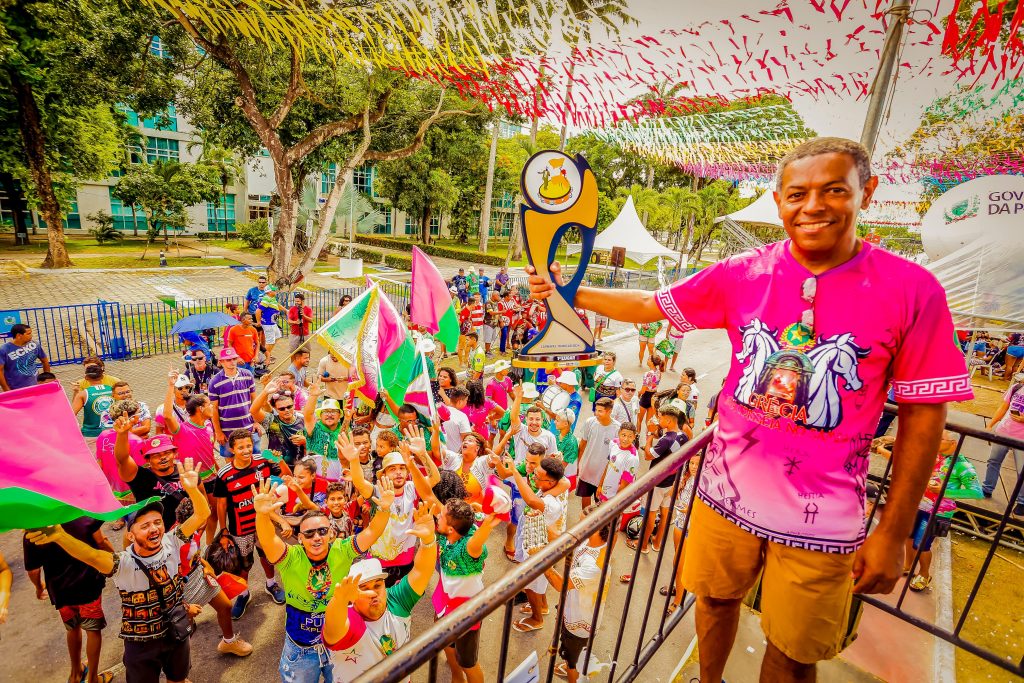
(232, 391)
(471, 319)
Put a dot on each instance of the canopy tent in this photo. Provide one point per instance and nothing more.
(627, 231)
(984, 283)
(762, 211)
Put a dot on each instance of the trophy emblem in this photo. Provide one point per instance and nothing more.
(560, 193)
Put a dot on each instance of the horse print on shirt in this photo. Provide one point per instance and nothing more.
(799, 379)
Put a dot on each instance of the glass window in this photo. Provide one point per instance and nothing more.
(328, 179)
(73, 220)
(220, 216)
(161, 148)
(411, 226)
(123, 219)
(362, 178)
(165, 120)
(435, 226)
(156, 47)
(385, 227)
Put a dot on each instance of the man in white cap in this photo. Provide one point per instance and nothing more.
(182, 387)
(568, 383)
(323, 426)
(365, 620)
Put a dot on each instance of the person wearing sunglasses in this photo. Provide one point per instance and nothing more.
(309, 572)
(283, 424)
(819, 323)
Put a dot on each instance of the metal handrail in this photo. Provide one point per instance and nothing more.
(424, 647)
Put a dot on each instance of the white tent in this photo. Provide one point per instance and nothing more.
(761, 211)
(984, 283)
(627, 231)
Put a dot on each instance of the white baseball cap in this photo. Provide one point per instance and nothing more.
(530, 390)
(328, 404)
(182, 381)
(426, 345)
(367, 570)
(501, 365)
(568, 378)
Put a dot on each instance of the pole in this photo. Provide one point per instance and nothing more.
(882, 83)
(485, 210)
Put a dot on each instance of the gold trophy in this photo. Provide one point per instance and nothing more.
(560, 193)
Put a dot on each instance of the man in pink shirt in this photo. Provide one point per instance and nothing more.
(819, 325)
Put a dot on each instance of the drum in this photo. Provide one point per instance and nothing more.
(555, 398)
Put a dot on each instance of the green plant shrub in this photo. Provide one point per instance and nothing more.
(255, 234)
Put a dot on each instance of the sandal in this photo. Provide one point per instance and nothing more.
(511, 555)
(562, 671)
(664, 590)
(672, 607)
(920, 583)
(632, 544)
(625, 578)
(105, 677)
(526, 609)
(522, 627)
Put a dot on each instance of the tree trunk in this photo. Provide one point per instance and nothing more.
(568, 98)
(223, 194)
(485, 209)
(283, 237)
(426, 224)
(34, 139)
(135, 222)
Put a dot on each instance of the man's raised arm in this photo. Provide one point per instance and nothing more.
(627, 305)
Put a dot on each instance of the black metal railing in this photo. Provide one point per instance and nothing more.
(424, 648)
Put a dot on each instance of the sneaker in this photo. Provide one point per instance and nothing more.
(238, 609)
(1018, 509)
(987, 494)
(920, 583)
(237, 647)
(276, 592)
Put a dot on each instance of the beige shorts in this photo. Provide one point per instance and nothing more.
(806, 595)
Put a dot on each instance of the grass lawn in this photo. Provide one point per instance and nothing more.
(151, 261)
(994, 623)
(235, 245)
(75, 245)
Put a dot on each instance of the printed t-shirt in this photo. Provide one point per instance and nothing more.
(323, 440)
(279, 434)
(244, 341)
(606, 384)
(98, 399)
(462, 575)
(236, 484)
(622, 466)
(196, 442)
(1008, 426)
(147, 484)
(497, 390)
(395, 546)
(522, 441)
(584, 579)
(569, 447)
(368, 642)
(308, 587)
(69, 582)
(477, 360)
(649, 330)
(664, 447)
(141, 615)
(234, 398)
(595, 455)
(20, 363)
(800, 406)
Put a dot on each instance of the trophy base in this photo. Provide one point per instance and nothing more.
(559, 360)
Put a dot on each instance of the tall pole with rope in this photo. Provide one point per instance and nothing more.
(882, 84)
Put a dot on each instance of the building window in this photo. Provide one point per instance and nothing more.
(411, 227)
(161, 148)
(220, 217)
(384, 228)
(328, 179)
(74, 220)
(505, 201)
(501, 223)
(435, 226)
(156, 48)
(7, 214)
(259, 207)
(362, 178)
(123, 218)
(165, 120)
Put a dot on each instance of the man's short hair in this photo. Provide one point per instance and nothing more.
(407, 408)
(45, 377)
(536, 448)
(312, 514)
(119, 384)
(825, 145)
(286, 372)
(307, 464)
(534, 409)
(604, 402)
(457, 393)
(300, 352)
(239, 435)
(671, 411)
(300, 295)
(360, 431)
(554, 467)
(460, 515)
(19, 328)
(336, 487)
(472, 335)
(194, 402)
(127, 406)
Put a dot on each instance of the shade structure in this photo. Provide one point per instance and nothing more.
(984, 283)
(761, 211)
(628, 231)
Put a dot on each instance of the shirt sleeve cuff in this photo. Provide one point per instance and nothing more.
(934, 390)
(663, 297)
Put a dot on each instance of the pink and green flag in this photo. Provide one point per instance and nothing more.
(47, 474)
(395, 349)
(341, 333)
(419, 394)
(431, 301)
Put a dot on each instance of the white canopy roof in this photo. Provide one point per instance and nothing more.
(627, 231)
(762, 210)
(984, 283)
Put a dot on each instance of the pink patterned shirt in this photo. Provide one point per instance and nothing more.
(800, 403)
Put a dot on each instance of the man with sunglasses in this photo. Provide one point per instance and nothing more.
(200, 372)
(309, 572)
(819, 324)
(626, 403)
(283, 425)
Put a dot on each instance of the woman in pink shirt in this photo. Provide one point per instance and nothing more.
(499, 389)
(481, 410)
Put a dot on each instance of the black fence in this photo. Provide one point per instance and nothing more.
(633, 651)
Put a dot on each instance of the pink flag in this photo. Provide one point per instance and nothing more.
(431, 301)
(47, 474)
